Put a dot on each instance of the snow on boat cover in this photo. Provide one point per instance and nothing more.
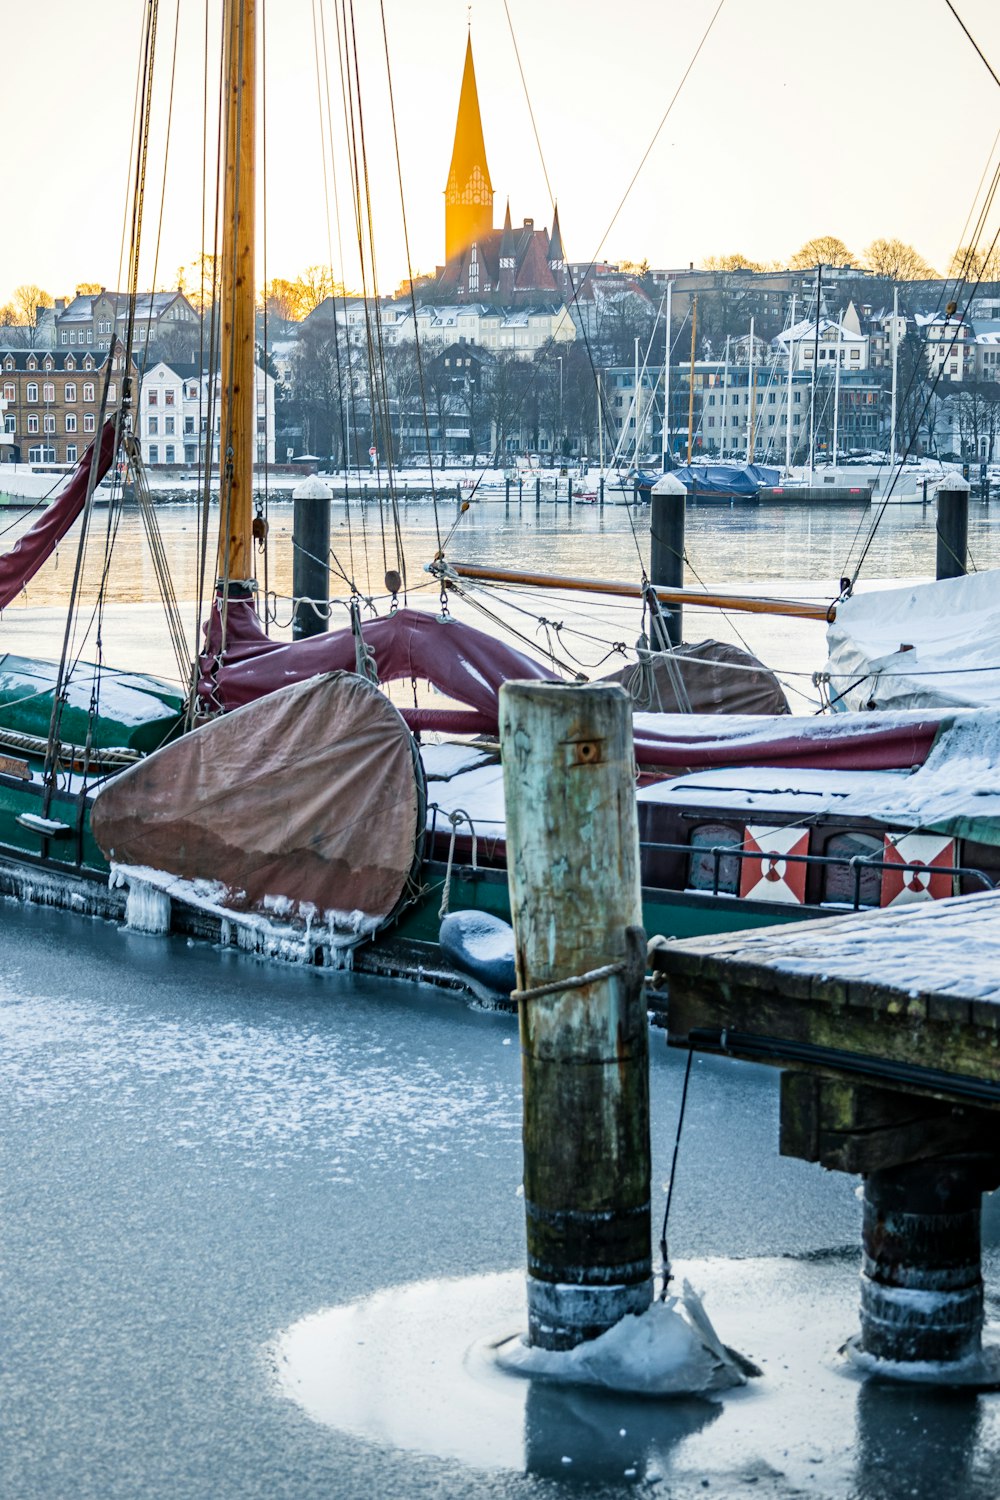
(306, 805)
(929, 645)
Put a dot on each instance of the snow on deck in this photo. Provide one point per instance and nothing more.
(947, 949)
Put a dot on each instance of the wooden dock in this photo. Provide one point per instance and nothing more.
(886, 1026)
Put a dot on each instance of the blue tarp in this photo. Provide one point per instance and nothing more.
(718, 479)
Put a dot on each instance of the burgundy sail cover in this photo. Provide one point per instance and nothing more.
(305, 803)
(24, 559)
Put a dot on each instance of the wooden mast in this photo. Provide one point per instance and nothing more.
(238, 406)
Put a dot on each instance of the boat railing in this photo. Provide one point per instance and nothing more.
(856, 863)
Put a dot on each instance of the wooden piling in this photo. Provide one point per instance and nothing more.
(666, 546)
(952, 527)
(538, 492)
(573, 871)
(311, 558)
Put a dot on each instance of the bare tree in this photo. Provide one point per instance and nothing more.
(824, 250)
(896, 261)
(975, 265)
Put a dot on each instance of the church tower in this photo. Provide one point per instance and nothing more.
(468, 198)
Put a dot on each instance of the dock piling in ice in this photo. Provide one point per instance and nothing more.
(953, 527)
(311, 557)
(666, 546)
(573, 869)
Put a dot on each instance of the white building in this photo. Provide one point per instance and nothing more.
(836, 340)
(174, 416)
(521, 330)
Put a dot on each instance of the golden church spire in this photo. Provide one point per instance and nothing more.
(468, 198)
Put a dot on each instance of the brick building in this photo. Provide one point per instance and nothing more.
(52, 401)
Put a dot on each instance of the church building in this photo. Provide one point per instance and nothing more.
(484, 264)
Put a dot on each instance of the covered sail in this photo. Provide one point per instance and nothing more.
(463, 663)
(25, 558)
(306, 805)
(928, 645)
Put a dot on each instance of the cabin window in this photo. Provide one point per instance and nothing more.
(704, 840)
(839, 878)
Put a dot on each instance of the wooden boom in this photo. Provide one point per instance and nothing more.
(745, 604)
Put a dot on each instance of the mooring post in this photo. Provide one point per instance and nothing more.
(538, 491)
(952, 527)
(921, 1284)
(666, 546)
(311, 557)
(573, 872)
(600, 492)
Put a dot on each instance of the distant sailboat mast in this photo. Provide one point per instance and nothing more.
(895, 342)
(788, 403)
(750, 396)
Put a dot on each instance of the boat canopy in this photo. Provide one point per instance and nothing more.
(720, 479)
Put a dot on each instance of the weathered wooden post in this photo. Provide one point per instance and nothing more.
(921, 1283)
(573, 870)
(666, 546)
(538, 491)
(310, 557)
(569, 492)
(952, 527)
(600, 492)
(506, 491)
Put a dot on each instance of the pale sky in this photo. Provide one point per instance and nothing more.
(863, 118)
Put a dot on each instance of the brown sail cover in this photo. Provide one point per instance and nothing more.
(309, 797)
(718, 678)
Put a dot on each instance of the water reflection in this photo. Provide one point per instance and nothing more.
(594, 1436)
(945, 1426)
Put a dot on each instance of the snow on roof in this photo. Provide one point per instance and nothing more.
(807, 330)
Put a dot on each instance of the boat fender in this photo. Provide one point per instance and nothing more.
(482, 946)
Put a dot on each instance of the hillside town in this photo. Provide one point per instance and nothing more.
(511, 350)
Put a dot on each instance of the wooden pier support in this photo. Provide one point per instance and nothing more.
(666, 546)
(311, 557)
(952, 527)
(921, 1286)
(573, 868)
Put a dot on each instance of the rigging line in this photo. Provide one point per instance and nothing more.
(263, 152)
(351, 358)
(351, 82)
(982, 56)
(409, 273)
(930, 395)
(341, 418)
(163, 189)
(384, 402)
(531, 112)
(207, 393)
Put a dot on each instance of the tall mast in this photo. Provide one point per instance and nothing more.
(694, 338)
(895, 342)
(750, 399)
(788, 403)
(665, 443)
(237, 428)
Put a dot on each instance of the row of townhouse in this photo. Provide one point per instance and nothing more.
(51, 401)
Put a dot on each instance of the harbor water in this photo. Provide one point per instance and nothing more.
(198, 1151)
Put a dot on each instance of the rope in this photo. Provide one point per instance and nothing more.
(664, 1252)
(574, 982)
(459, 815)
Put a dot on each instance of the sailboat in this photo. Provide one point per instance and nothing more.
(300, 817)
